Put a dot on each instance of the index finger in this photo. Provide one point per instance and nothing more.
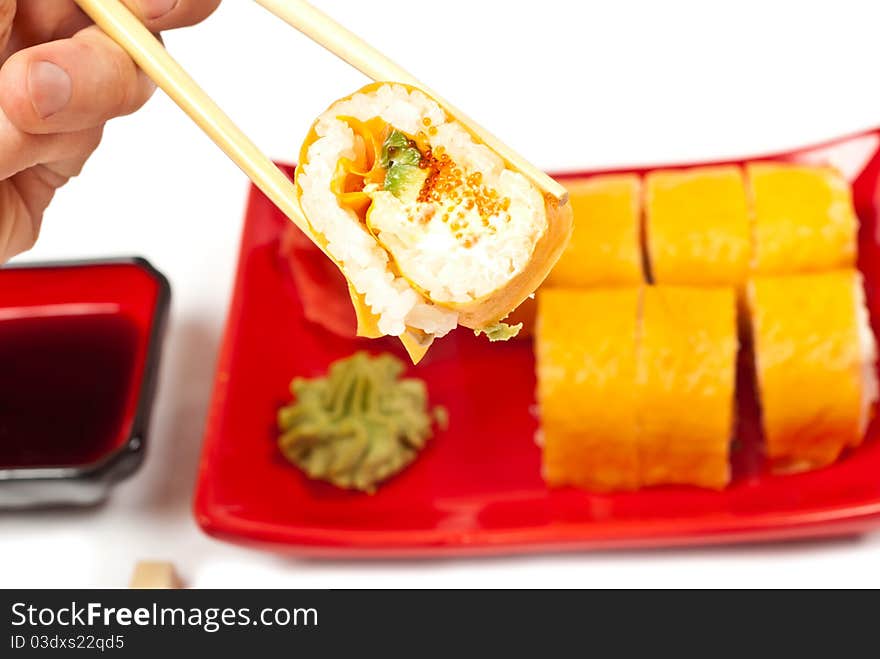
(7, 15)
(49, 20)
(160, 15)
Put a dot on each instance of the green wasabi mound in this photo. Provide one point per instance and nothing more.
(500, 331)
(359, 425)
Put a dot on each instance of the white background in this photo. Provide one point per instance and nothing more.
(569, 84)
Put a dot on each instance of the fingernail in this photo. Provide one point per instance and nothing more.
(154, 9)
(49, 87)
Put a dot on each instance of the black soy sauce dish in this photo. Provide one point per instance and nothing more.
(80, 344)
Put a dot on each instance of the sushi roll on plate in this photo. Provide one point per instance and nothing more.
(586, 361)
(697, 226)
(431, 228)
(636, 386)
(815, 359)
(686, 384)
(604, 248)
(804, 219)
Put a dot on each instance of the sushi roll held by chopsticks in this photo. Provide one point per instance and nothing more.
(431, 228)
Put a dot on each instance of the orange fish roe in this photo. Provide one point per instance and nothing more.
(422, 215)
(475, 179)
(446, 185)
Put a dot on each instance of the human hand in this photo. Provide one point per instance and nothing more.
(61, 79)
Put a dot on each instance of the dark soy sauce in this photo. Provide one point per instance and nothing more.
(64, 385)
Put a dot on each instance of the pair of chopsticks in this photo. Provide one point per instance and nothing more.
(147, 51)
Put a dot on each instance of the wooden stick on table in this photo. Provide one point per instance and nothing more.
(154, 574)
(346, 45)
(125, 29)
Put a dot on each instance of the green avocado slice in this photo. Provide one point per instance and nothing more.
(401, 158)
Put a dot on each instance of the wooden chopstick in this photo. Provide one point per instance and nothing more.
(346, 45)
(124, 28)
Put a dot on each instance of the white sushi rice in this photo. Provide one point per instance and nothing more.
(868, 346)
(427, 253)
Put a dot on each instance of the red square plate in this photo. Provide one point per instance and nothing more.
(477, 488)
